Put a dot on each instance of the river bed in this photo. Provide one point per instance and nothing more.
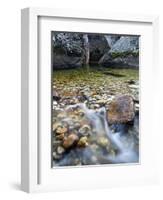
(85, 131)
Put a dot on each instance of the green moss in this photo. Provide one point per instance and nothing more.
(124, 54)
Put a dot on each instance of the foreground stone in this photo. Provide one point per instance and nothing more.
(70, 141)
(83, 142)
(121, 110)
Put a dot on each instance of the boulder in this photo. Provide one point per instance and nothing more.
(67, 50)
(126, 44)
(64, 61)
(121, 110)
(70, 140)
(98, 46)
(111, 39)
(124, 53)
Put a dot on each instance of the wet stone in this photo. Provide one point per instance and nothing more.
(85, 130)
(56, 156)
(61, 130)
(70, 140)
(60, 150)
(83, 142)
(121, 110)
(60, 136)
(103, 141)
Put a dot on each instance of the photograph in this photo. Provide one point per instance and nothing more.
(95, 99)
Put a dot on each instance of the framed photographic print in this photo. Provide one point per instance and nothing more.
(88, 100)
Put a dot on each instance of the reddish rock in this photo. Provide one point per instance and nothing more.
(121, 110)
(70, 140)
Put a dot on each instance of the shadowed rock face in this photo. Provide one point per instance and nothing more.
(120, 61)
(67, 50)
(66, 62)
(105, 50)
(98, 47)
(121, 110)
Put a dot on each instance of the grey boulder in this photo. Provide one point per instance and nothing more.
(124, 53)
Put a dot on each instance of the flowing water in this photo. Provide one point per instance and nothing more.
(121, 148)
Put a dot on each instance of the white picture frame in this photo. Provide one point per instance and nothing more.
(36, 172)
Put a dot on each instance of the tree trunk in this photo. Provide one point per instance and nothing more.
(86, 49)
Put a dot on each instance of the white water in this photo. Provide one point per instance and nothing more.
(98, 121)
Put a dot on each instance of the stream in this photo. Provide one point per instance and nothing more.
(103, 144)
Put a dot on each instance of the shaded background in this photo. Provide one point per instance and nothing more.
(74, 50)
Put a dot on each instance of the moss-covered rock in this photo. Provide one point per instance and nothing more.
(124, 53)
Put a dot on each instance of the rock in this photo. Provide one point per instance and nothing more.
(55, 103)
(126, 44)
(134, 86)
(79, 112)
(56, 96)
(103, 141)
(101, 102)
(124, 53)
(61, 115)
(136, 107)
(67, 50)
(61, 130)
(77, 125)
(112, 39)
(56, 125)
(70, 140)
(66, 62)
(83, 142)
(98, 47)
(60, 136)
(94, 106)
(85, 130)
(131, 81)
(60, 150)
(121, 110)
(97, 97)
(56, 142)
(56, 156)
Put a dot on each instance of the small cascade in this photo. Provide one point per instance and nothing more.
(119, 141)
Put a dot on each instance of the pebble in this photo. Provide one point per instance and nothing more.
(60, 136)
(70, 140)
(103, 141)
(56, 125)
(61, 130)
(134, 86)
(55, 103)
(83, 142)
(136, 107)
(85, 130)
(101, 102)
(60, 150)
(56, 156)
